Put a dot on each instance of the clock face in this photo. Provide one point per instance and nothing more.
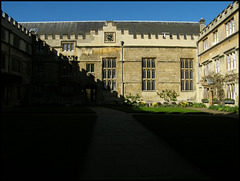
(109, 37)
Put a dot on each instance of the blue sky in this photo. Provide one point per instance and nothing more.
(38, 11)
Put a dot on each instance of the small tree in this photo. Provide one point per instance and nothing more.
(219, 81)
(168, 95)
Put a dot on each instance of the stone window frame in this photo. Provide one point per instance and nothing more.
(186, 74)
(109, 72)
(229, 27)
(90, 67)
(148, 74)
(68, 46)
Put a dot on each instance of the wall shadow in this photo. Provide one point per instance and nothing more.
(210, 142)
(47, 135)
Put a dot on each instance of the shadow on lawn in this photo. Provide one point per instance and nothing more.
(211, 142)
(44, 146)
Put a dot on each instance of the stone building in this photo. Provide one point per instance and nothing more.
(149, 60)
(103, 61)
(16, 62)
(218, 51)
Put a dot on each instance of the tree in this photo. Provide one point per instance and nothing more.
(168, 95)
(218, 82)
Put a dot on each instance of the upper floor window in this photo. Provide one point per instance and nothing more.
(230, 27)
(205, 44)
(109, 73)
(90, 67)
(215, 37)
(231, 61)
(68, 46)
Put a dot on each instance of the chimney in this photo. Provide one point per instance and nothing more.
(202, 24)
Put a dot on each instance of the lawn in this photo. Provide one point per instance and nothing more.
(170, 110)
(211, 142)
(39, 146)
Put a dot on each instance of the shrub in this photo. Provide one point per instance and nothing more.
(155, 104)
(199, 105)
(234, 109)
(183, 104)
(168, 95)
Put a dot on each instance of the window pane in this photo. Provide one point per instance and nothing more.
(191, 74)
(186, 64)
(71, 46)
(182, 74)
(191, 85)
(144, 74)
(113, 73)
(182, 85)
(153, 74)
(187, 86)
(148, 85)
(109, 63)
(88, 67)
(113, 85)
(186, 74)
(109, 73)
(64, 47)
(104, 74)
(92, 67)
(148, 73)
(153, 63)
(68, 47)
(104, 63)
(105, 84)
(143, 63)
(182, 64)
(109, 84)
(153, 85)
(144, 85)
(191, 64)
(148, 63)
(113, 63)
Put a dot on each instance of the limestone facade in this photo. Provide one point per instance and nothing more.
(218, 51)
(137, 57)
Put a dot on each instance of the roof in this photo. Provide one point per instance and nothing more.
(134, 27)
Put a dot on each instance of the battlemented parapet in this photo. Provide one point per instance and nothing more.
(230, 10)
(9, 23)
(133, 33)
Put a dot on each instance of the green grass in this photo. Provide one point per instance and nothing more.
(210, 142)
(40, 146)
(170, 110)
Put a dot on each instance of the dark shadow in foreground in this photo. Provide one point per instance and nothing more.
(44, 146)
(210, 142)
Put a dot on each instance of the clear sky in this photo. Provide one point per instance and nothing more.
(38, 11)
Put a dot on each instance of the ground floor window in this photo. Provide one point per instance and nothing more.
(231, 91)
(186, 69)
(148, 74)
(109, 73)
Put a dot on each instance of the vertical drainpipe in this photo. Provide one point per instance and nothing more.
(197, 63)
(122, 43)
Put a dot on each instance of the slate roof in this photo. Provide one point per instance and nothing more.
(134, 27)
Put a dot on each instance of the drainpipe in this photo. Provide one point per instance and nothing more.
(122, 43)
(197, 63)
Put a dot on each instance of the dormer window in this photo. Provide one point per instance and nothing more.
(68, 46)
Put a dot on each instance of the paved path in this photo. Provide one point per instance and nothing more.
(215, 112)
(122, 148)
